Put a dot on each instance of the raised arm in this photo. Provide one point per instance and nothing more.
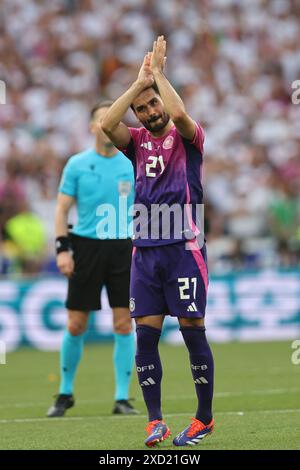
(116, 130)
(172, 102)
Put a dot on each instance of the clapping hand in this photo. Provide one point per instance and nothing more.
(158, 55)
(145, 76)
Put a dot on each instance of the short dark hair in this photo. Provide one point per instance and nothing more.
(99, 105)
(155, 88)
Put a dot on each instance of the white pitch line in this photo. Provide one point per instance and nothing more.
(167, 415)
(272, 391)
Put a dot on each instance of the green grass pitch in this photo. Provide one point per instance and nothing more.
(256, 403)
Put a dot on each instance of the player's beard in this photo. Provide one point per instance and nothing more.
(158, 124)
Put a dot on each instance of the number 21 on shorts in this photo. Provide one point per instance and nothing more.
(185, 284)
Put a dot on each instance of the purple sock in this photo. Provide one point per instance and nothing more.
(149, 368)
(202, 365)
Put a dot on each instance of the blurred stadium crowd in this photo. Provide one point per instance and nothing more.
(233, 62)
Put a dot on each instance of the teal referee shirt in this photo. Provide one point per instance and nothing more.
(104, 191)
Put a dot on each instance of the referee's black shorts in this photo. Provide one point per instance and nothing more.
(98, 263)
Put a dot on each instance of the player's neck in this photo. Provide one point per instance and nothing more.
(106, 149)
(165, 130)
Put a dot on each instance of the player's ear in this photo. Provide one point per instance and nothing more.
(134, 112)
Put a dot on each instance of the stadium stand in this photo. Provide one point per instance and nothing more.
(232, 62)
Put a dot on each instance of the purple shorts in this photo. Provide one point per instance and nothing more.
(169, 280)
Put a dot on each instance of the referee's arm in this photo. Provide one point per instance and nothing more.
(64, 259)
(63, 206)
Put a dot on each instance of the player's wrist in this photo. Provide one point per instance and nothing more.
(62, 244)
(138, 86)
(157, 71)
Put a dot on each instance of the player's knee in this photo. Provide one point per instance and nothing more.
(191, 322)
(76, 327)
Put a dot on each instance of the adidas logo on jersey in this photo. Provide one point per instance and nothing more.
(192, 308)
(149, 381)
(147, 145)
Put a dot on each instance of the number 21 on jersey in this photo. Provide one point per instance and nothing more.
(155, 161)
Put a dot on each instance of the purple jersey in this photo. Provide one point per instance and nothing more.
(167, 174)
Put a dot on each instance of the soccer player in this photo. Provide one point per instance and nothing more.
(94, 254)
(168, 274)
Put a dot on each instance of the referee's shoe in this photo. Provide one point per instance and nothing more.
(124, 407)
(61, 404)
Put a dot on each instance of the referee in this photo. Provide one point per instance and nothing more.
(97, 252)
